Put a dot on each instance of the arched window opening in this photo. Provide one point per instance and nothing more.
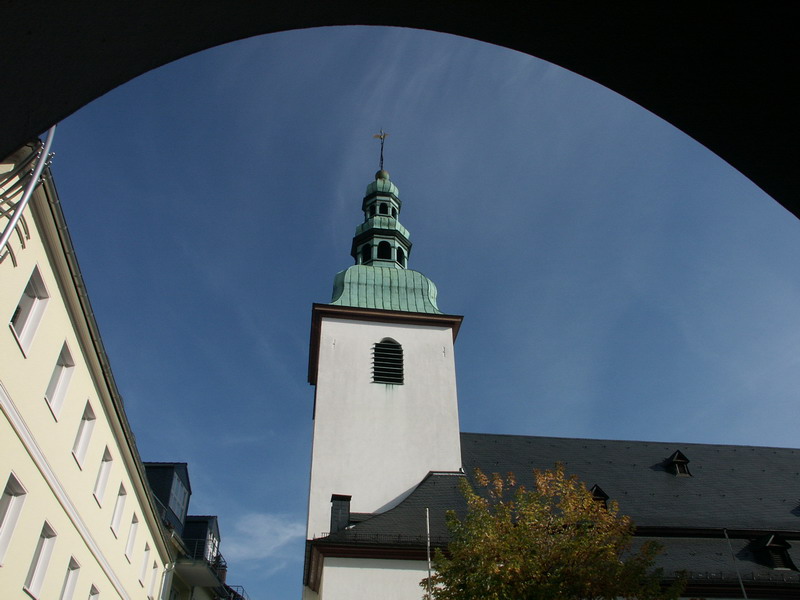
(384, 251)
(387, 362)
(394, 213)
(384, 210)
(372, 211)
(366, 253)
(401, 257)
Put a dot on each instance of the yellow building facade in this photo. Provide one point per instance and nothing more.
(77, 519)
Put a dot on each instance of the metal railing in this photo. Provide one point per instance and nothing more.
(386, 538)
(15, 210)
(776, 577)
(236, 592)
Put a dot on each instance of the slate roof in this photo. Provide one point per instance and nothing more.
(735, 487)
(744, 489)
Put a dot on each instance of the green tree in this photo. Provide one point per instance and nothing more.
(552, 542)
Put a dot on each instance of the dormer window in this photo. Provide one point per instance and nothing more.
(678, 464)
(599, 496)
(178, 497)
(387, 362)
(774, 552)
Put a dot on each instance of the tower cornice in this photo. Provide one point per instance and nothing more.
(353, 313)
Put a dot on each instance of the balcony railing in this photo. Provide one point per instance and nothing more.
(236, 592)
(201, 549)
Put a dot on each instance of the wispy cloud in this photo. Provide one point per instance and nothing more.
(257, 536)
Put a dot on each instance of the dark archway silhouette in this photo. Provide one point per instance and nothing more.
(725, 76)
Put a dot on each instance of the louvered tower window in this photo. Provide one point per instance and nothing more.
(387, 362)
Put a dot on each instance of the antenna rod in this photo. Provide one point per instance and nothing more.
(428, 530)
(382, 137)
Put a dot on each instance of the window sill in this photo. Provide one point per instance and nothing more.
(77, 461)
(30, 593)
(53, 411)
(22, 348)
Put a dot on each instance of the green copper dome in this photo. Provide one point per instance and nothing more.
(381, 247)
(384, 287)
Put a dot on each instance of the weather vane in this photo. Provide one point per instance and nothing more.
(382, 137)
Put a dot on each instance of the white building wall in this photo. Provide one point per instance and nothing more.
(371, 578)
(372, 441)
(36, 442)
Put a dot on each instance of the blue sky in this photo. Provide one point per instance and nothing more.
(617, 279)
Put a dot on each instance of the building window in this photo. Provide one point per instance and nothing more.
(94, 593)
(29, 310)
(401, 257)
(774, 552)
(387, 362)
(70, 580)
(57, 388)
(85, 429)
(41, 557)
(102, 476)
(678, 464)
(178, 498)
(372, 211)
(366, 253)
(153, 578)
(599, 496)
(143, 571)
(385, 251)
(384, 210)
(119, 506)
(394, 212)
(131, 537)
(10, 508)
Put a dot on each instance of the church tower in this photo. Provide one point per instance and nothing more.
(381, 358)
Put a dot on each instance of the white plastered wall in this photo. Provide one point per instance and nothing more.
(373, 441)
(371, 578)
(36, 443)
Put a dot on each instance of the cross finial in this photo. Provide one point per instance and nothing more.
(382, 137)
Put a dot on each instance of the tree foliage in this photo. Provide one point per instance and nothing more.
(552, 542)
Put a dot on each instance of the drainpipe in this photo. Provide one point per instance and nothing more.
(166, 580)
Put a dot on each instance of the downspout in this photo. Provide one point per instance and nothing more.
(166, 580)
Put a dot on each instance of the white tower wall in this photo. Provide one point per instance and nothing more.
(375, 441)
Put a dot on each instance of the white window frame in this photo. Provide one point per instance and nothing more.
(145, 561)
(40, 560)
(129, 545)
(119, 507)
(10, 508)
(103, 473)
(84, 435)
(59, 381)
(28, 314)
(153, 578)
(70, 579)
